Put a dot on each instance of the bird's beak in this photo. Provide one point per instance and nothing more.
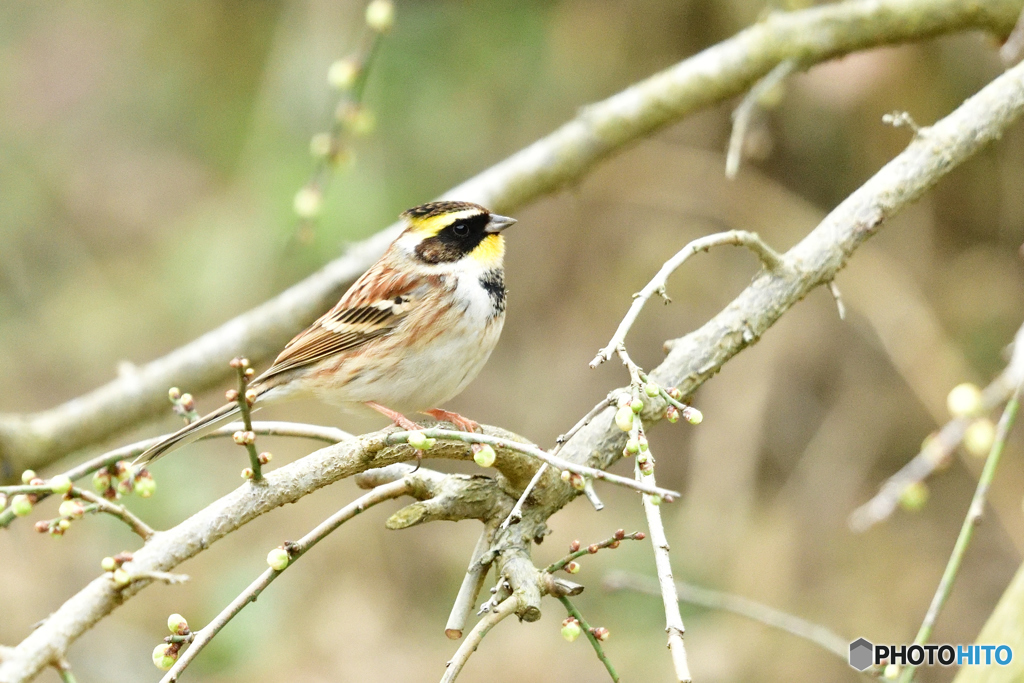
(498, 223)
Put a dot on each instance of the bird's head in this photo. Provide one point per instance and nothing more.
(447, 232)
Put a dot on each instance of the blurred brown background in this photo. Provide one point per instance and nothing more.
(149, 153)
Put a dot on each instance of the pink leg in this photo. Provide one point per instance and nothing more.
(396, 417)
(462, 423)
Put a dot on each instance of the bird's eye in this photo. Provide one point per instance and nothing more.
(460, 229)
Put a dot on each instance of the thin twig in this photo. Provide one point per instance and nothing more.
(939, 447)
(64, 671)
(592, 549)
(295, 551)
(973, 518)
(742, 114)
(1013, 49)
(673, 619)
(506, 608)
(265, 428)
(712, 599)
(594, 642)
(119, 511)
(516, 514)
(244, 372)
(472, 583)
(771, 259)
(833, 289)
(529, 449)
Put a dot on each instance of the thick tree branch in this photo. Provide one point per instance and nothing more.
(564, 156)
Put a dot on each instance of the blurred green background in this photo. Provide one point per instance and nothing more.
(149, 154)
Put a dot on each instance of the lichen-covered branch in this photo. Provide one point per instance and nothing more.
(601, 129)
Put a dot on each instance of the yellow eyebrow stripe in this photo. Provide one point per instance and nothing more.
(429, 227)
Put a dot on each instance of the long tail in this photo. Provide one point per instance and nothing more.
(188, 433)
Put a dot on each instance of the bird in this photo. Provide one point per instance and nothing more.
(410, 334)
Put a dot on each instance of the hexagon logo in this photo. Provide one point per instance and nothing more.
(861, 654)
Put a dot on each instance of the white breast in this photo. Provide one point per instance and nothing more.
(428, 375)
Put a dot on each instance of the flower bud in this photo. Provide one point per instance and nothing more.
(145, 486)
(101, 480)
(593, 548)
(380, 15)
(239, 437)
(249, 372)
(636, 405)
(642, 442)
(308, 202)
(571, 629)
(71, 509)
(236, 363)
(358, 119)
(577, 481)
(639, 535)
(632, 447)
(250, 396)
(278, 559)
(964, 400)
(247, 473)
(231, 395)
(484, 455)
(42, 526)
(177, 625)
(672, 414)
(125, 486)
(61, 484)
(624, 418)
(566, 474)
(164, 656)
(121, 578)
(21, 505)
(979, 437)
(574, 546)
(187, 403)
(674, 393)
(614, 544)
(420, 441)
(265, 457)
(343, 73)
(692, 415)
(655, 499)
(27, 476)
(914, 497)
(60, 527)
(174, 393)
(600, 633)
(652, 389)
(573, 568)
(108, 564)
(620, 534)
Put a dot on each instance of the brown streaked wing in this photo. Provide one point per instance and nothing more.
(371, 308)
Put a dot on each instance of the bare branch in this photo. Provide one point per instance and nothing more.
(472, 583)
(673, 619)
(529, 449)
(738, 238)
(506, 609)
(971, 520)
(295, 551)
(940, 447)
(742, 114)
(714, 75)
(119, 511)
(268, 428)
(712, 599)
